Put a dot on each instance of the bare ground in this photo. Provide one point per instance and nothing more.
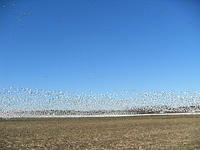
(150, 132)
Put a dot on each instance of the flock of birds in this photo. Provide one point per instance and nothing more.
(26, 99)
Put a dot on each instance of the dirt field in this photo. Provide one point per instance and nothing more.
(151, 132)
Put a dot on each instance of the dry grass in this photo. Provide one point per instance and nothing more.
(152, 132)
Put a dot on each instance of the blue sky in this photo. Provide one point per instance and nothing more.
(100, 45)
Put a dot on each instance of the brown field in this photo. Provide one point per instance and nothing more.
(150, 132)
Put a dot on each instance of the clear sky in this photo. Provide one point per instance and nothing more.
(100, 45)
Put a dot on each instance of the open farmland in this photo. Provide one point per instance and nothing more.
(149, 132)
